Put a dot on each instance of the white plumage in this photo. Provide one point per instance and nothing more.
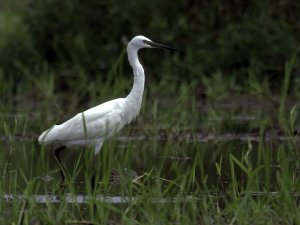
(93, 126)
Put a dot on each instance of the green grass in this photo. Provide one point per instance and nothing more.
(222, 181)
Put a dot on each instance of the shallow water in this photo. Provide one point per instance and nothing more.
(146, 155)
(85, 199)
(172, 156)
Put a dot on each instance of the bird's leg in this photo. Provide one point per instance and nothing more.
(93, 181)
(57, 153)
(95, 162)
(94, 167)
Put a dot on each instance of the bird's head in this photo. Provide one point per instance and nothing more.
(140, 41)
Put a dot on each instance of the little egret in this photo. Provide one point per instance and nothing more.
(93, 126)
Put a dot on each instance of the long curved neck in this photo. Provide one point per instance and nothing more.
(135, 97)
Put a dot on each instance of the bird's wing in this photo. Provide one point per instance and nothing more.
(101, 121)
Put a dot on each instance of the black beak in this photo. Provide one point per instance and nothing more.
(157, 45)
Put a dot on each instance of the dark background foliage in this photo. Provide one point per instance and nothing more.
(228, 36)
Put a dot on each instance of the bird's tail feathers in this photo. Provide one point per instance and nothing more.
(47, 136)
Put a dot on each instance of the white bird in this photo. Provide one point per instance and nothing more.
(93, 126)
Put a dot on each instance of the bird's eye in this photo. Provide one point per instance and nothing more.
(146, 42)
